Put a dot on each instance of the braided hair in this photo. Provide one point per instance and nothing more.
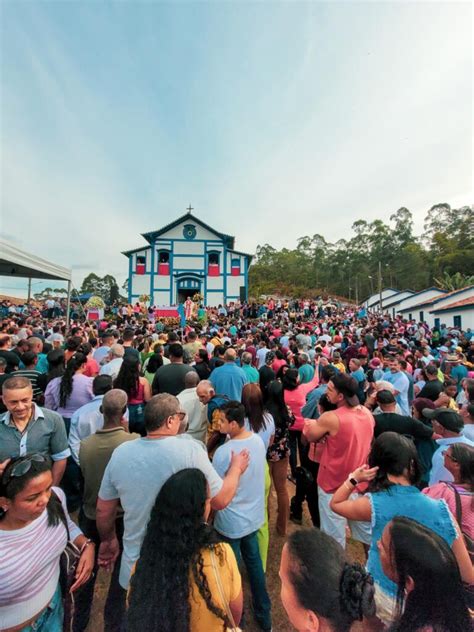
(65, 388)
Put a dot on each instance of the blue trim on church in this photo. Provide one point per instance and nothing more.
(181, 279)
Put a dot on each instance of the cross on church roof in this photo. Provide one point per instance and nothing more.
(190, 208)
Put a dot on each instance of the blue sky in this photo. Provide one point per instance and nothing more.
(274, 120)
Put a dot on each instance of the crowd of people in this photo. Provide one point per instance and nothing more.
(151, 451)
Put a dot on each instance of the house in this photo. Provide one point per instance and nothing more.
(414, 306)
(184, 258)
(459, 314)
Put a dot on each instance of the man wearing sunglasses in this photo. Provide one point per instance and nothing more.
(26, 428)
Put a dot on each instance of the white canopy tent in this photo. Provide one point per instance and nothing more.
(18, 263)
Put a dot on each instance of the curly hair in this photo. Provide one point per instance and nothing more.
(65, 388)
(172, 551)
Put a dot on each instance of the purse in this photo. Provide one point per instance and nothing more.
(67, 572)
(220, 587)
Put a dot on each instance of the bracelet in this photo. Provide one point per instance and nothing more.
(85, 545)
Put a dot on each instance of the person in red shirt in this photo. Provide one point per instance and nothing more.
(348, 432)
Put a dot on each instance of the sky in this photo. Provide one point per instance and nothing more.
(274, 120)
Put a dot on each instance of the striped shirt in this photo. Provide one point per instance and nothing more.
(29, 566)
(32, 375)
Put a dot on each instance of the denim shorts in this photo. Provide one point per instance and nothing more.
(51, 620)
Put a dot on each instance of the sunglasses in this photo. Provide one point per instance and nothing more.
(181, 414)
(24, 466)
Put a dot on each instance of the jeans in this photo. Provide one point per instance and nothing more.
(136, 418)
(247, 548)
(51, 620)
(114, 609)
(296, 447)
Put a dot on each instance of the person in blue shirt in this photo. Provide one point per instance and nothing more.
(401, 384)
(458, 371)
(229, 379)
(358, 374)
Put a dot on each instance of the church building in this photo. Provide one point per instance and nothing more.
(187, 257)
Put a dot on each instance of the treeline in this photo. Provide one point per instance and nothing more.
(443, 255)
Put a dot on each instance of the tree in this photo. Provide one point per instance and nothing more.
(106, 287)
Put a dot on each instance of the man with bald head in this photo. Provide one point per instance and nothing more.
(94, 454)
(196, 411)
(229, 379)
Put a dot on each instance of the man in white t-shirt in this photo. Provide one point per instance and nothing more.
(137, 471)
(240, 521)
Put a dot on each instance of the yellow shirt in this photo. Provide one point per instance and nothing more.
(202, 619)
(340, 365)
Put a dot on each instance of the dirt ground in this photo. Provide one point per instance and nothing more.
(280, 620)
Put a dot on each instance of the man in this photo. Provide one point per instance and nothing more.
(401, 384)
(138, 469)
(266, 373)
(26, 428)
(29, 360)
(458, 371)
(170, 378)
(193, 345)
(12, 359)
(36, 346)
(389, 420)
(305, 371)
(107, 340)
(358, 374)
(95, 453)
(337, 362)
(310, 409)
(196, 411)
(349, 431)
(262, 353)
(88, 418)
(229, 379)
(113, 361)
(449, 425)
(240, 521)
(433, 386)
(251, 373)
(208, 397)
(127, 341)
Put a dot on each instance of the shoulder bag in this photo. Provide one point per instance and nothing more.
(233, 627)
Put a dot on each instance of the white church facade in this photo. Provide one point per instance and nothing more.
(187, 257)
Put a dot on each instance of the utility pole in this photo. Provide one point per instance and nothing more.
(380, 286)
(29, 290)
(357, 292)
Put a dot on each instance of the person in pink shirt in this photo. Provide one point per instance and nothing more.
(295, 398)
(459, 494)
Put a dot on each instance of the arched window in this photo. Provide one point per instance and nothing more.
(163, 262)
(213, 265)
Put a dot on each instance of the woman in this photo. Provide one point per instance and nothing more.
(279, 451)
(394, 472)
(260, 421)
(56, 365)
(459, 461)
(138, 390)
(32, 537)
(174, 587)
(92, 368)
(257, 418)
(295, 398)
(71, 391)
(320, 590)
(153, 363)
(201, 366)
(429, 587)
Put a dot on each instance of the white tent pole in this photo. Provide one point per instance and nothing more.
(68, 306)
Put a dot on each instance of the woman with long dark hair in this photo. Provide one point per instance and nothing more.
(279, 451)
(320, 589)
(295, 398)
(138, 390)
(153, 363)
(257, 418)
(33, 535)
(393, 472)
(175, 586)
(424, 569)
(71, 391)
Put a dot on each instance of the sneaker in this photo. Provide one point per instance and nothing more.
(292, 479)
(296, 519)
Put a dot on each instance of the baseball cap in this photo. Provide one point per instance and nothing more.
(348, 386)
(448, 418)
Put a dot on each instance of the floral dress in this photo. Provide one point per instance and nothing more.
(280, 448)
